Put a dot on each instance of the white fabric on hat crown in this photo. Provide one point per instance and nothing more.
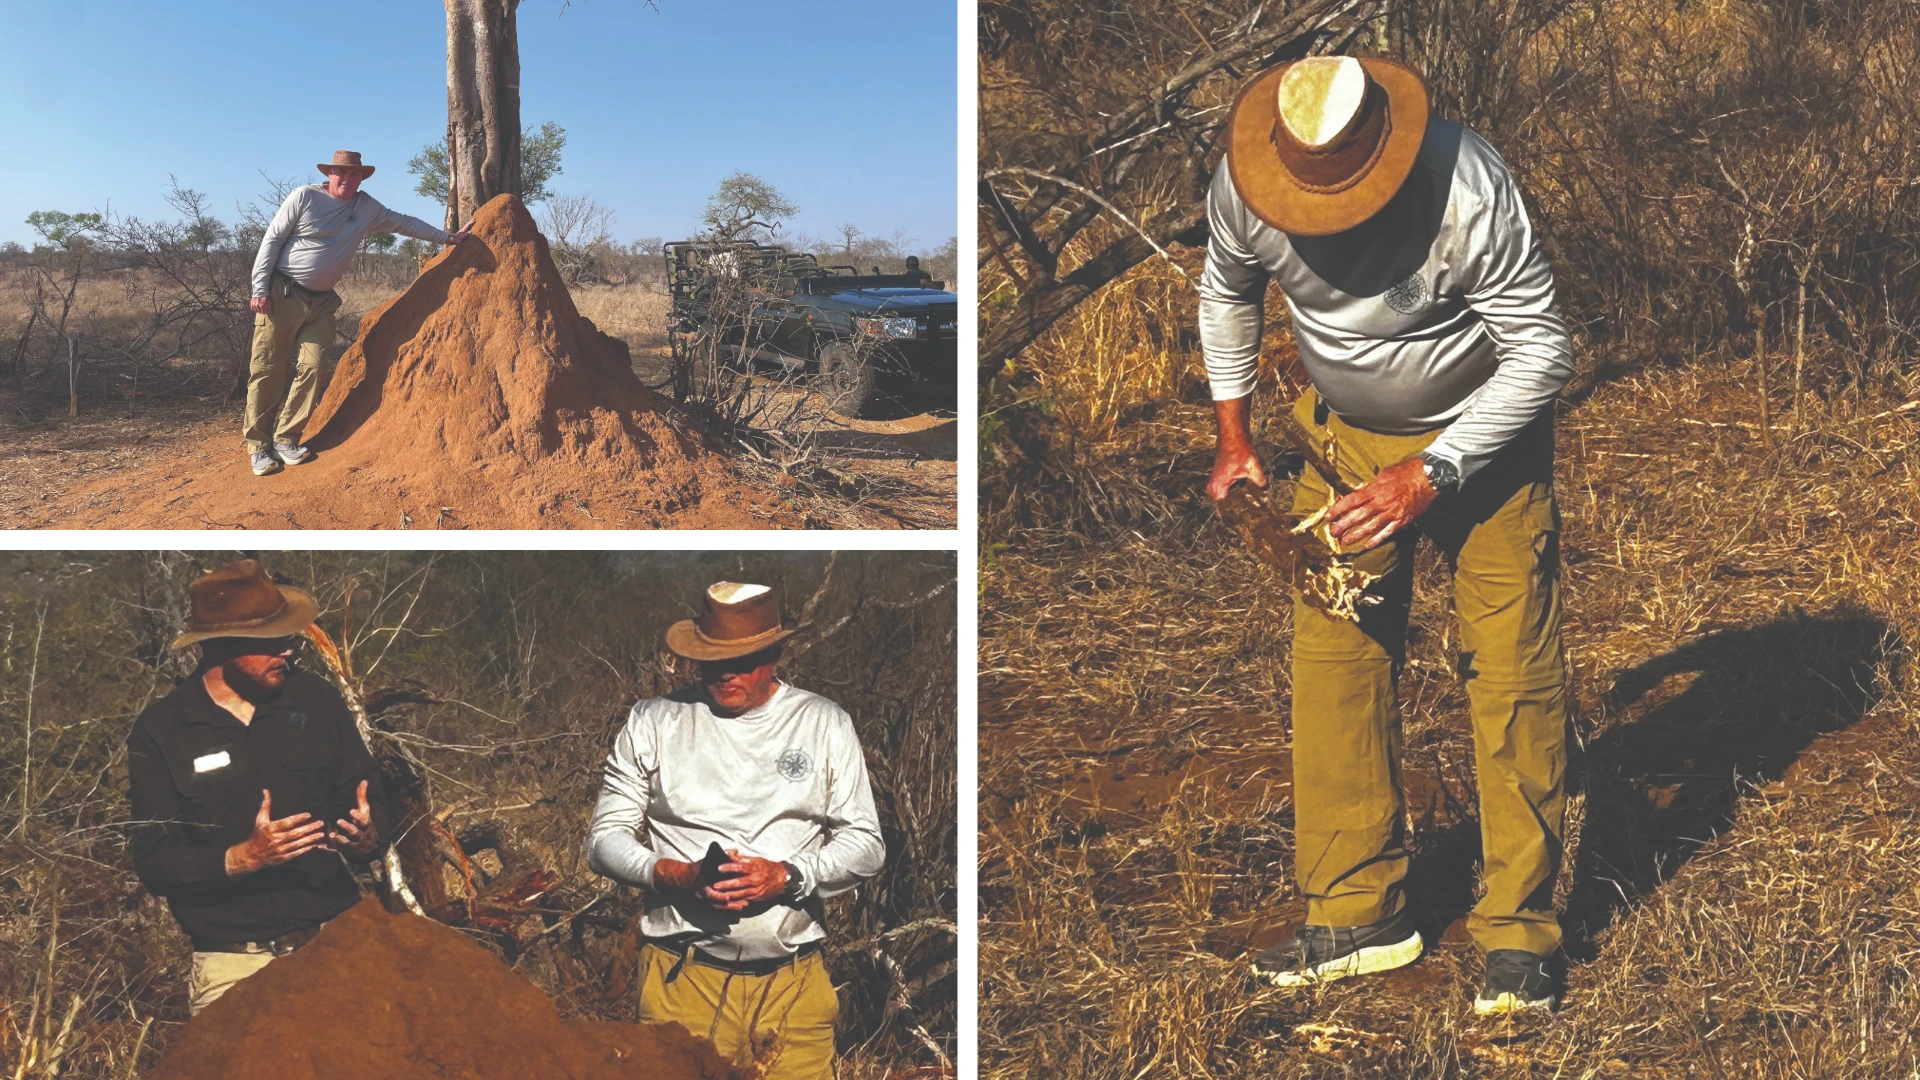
(1319, 96)
(730, 592)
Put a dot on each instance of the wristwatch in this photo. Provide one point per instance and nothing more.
(795, 883)
(1444, 475)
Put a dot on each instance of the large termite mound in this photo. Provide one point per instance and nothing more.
(397, 997)
(479, 397)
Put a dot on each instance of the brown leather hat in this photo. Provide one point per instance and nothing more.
(1320, 145)
(739, 620)
(345, 159)
(239, 600)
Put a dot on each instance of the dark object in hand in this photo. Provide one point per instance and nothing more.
(710, 867)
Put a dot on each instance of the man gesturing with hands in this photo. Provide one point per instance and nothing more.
(246, 737)
(738, 804)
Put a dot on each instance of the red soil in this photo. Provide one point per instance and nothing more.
(479, 397)
(396, 997)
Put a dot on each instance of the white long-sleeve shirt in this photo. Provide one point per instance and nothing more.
(785, 782)
(313, 236)
(1439, 310)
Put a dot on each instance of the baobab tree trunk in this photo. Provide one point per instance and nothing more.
(483, 105)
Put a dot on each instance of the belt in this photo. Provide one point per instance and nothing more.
(287, 283)
(279, 946)
(695, 955)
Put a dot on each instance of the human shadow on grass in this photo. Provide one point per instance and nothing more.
(1664, 783)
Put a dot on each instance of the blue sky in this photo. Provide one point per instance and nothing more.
(848, 107)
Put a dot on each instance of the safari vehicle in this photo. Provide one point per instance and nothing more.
(861, 337)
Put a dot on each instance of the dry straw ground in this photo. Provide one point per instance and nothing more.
(1742, 894)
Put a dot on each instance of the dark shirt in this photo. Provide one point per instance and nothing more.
(919, 273)
(303, 747)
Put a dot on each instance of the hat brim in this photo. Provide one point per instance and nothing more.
(1273, 194)
(328, 168)
(300, 613)
(685, 639)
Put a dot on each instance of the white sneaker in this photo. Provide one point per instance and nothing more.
(264, 463)
(292, 455)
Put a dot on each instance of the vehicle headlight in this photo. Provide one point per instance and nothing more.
(889, 328)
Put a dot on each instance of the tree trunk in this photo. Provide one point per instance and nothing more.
(1759, 315)
(483, 105)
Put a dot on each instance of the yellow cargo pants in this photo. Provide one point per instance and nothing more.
(283, 378)
(1500, 534)
(783, 1021)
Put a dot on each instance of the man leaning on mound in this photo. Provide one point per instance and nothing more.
(1425, 319)
(774, 776)
(303, 254)
(250, 787)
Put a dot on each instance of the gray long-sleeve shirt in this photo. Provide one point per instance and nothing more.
(1439, 310)
(314, 235)
(785, 782)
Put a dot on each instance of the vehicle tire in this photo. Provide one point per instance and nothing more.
(846, 381)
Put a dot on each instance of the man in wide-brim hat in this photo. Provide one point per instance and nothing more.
(739, 804)
(249, 783)
(1425, 320)
(303, 254)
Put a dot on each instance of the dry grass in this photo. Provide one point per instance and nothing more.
(1733, 611)
(636, 314)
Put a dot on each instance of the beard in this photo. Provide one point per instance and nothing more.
(258, 687)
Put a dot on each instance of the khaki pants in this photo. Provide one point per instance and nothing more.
(288, 346)
(214, 973)
(1501, 536)
(783, 1021)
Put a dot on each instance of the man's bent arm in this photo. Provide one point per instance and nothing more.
(614, 847)
(855, 851)
(1233, 290)
(279, 230)
(1514, 297)
(166, 862)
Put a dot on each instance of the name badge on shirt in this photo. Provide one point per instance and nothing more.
(210, 762)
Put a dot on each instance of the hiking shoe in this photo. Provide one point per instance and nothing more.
(292, 455)
(264, 463)
(1517, 982)
(1319, 954)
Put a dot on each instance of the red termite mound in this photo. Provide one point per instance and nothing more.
(478, 397)
(397, 997)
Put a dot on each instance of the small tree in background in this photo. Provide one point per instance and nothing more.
(539, 163)
(745, 207)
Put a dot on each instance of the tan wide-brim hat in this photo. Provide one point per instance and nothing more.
(239, 600)
(345, 159)
(740, 620)
(1319, 190)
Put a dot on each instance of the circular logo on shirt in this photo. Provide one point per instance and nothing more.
(1407, 295)
(794, 764)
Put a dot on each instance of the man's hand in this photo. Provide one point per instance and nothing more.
(1233, 456)
(461, 235)
(274, 842)
(755, 880)
(674, 874)
(1395, 497)
(261, 305)
(355, 834)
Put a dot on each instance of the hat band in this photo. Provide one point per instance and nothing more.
(196, 626)
(1344, 162)
(767, 636)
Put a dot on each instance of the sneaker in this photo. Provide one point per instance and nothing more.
(1319, 954)
(1517, 982)
(264, 463)
(292, 455)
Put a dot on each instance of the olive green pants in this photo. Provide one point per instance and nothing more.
(783, 1021)
(1500, 534)
(283, 378)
